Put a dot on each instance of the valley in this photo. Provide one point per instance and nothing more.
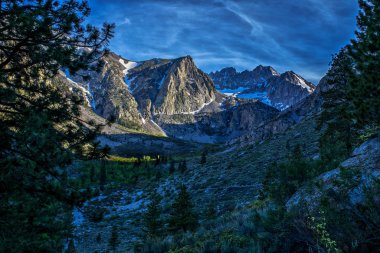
(182, 116)
(220, 135)
(189, 126)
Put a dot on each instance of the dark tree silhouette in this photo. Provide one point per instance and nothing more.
(152, 221)
(183, 216)
(364, 50)
(40, 128)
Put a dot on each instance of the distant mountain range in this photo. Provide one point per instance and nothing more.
(173, 97)
(264, 84)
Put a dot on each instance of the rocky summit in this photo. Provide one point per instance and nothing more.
(265, 84)
(168, 97)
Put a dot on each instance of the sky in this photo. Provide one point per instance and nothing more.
(298, 35)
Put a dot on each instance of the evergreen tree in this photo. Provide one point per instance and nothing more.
(157, 161)
(114, 239)
(152, 221)
(137, 163)
(297, 152)
(210, 212)
(92, 174)
(158, 174)
(282, 180)
(71, 247)
(102, 175)
(98, 238)
(335, 119)
(364, 85)
(182, 167)
(203, 158)
(41, 132)
(172, 167)
(183, 216)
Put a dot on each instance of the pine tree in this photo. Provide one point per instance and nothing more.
(71, 247)
(152, 221)
(172, 167)
(364, 85)
(182, 167)
(203, 158)
(137, 163)
(102, 175)
(335, 120)
(210, 212)
(41, 132)
(92, 173)
(183, 216)
(98, 238)
(114, 239)
(157, 161)
(158, 174)
(297, 152)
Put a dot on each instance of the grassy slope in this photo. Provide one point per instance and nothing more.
(235, 176)
(231, 176)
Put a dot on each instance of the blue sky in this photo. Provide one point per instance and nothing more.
(298, 35)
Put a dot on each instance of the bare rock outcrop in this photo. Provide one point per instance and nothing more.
(354, 178)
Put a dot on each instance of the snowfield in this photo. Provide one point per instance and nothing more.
(128, 66)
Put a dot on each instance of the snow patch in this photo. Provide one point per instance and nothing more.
(128, 66)
(200, 109)
(154, 123)
(128, 82)
(233, 92)
(87, 94)
(93, 104)
(281, 106)
(303, 84)
(161, 82)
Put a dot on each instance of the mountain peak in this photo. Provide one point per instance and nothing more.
(265, 70)
(292, 77)
(289, 73)
(228, 69)
(186, 57)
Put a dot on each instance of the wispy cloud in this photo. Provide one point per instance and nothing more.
(126, 21)
(292, 34)
(256, 27)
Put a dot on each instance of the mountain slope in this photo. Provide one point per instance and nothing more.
(173, 97)
(170, 86)
(265, 84)
(107, 93)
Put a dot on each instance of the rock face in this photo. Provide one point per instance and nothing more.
(218, 122)
(107, 93)
(363, 165)
(170, 86)
(229, 78)
(307, 107)
(173, 97)
(264, 83)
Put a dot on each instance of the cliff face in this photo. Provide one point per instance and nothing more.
(229, 78)
(308, 107)
(364, 163)
(173, 97)
(218, 122)
(107, 94)
(264, 83)
(170, 86)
